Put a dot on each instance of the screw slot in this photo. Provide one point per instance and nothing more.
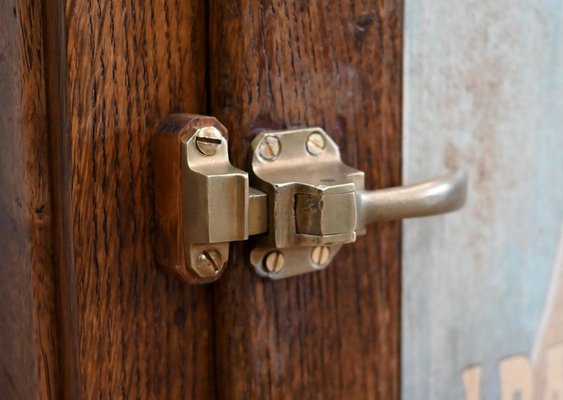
(208, 140)
(274, 261)
(209, 263)
(316, 143)
(320, 256)
(270, 148)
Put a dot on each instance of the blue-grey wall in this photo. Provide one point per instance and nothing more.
(483, 90)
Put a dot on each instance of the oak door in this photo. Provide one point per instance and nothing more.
(84, 311)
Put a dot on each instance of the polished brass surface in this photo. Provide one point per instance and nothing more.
(209, 263)
(321, 183)
(316, 143)
(316, 203)
(436, 196)
(302, 202)
(320, 256)
(297, 261)
(322, 215)
(215, 203)
(274, 262)
(311, 199)
(208, 139)
(270, 148)
(257, 212)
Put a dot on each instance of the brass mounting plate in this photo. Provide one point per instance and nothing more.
(195, 218)
(311, 199)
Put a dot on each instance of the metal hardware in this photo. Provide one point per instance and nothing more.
(436, 196)
(274, 261)
(311, 199)
(320, 256)
(215, 201)
(208, 139)
(270, 148)
(315, 143)
(299, 200)
(209, 263)
(316, 203)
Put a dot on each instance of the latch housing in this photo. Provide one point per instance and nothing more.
(299, 201)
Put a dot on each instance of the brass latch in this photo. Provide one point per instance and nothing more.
(299, 201)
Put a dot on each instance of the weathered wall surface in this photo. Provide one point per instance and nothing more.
(484, 91)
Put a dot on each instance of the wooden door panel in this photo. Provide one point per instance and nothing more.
(28, 363)
(85, 311)
(495, 286)
(118, 68)
(277, 64)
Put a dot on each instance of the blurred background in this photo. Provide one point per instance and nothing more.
(483, 288)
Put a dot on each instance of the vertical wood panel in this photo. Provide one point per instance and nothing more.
(118, 69)
(337, 64)
(28, 365)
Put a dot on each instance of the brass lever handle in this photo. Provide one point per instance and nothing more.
(435, 196)
(316, 203)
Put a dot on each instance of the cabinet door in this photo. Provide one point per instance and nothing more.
(128, 330)
(85, 312)
(28, 355)
(332, 334)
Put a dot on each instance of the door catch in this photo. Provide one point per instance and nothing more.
(299, 201)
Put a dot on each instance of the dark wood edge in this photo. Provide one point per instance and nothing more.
(60, 177)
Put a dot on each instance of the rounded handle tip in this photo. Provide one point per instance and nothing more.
(435, 196)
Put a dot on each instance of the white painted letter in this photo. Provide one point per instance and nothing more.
(516, 377)
(553, 388)
(472, 383)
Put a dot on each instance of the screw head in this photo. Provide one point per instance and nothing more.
(274, 261)
(209, 263)
(270, 148)
(316, 143)
(207, 140)
(320, 256)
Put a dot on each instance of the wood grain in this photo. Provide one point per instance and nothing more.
(275, 64)
(28, 363)
(117, 69)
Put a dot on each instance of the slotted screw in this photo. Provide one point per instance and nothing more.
(209, 263)
(320, 256)
(274, 261)
(207, 140)
(316, 143)
(270, 148)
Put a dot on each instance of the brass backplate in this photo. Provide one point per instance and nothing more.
(311, 200)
